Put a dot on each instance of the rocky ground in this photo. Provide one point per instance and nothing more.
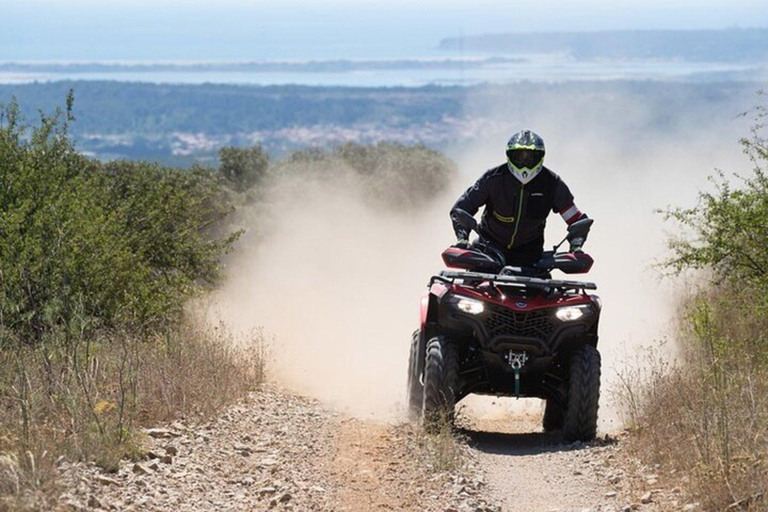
(277, 451)
(528, 470)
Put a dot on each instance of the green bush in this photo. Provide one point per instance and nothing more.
(86, 245)
(388, 175)
(728, 229)
(243, 167)
(705, 420)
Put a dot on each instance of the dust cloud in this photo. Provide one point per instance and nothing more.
(624, 154)
(337, 283)
(336, 280)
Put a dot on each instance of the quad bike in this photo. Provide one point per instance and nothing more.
(500, 330)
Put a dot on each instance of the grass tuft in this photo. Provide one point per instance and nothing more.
(86, 399)
(705, 420)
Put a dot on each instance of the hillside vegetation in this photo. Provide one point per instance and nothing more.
(705, 420)
(99, 266)
(97, 263)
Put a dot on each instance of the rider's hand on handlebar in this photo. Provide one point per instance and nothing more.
(462, 244)
(576, 245)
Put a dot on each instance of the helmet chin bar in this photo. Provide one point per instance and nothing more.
(524, 174)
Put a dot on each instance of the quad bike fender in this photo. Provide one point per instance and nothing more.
(428, 309)
(429, 304)
(423, 310)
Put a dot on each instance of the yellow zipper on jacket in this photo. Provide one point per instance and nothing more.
(519, 213)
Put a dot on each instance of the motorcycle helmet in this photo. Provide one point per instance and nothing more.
(525, 155)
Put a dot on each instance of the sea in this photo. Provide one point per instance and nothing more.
(532, 68)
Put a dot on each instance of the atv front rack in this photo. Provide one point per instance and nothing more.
(450, 276)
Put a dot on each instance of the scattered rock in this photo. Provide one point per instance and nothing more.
(94, 502)
(141, 469)
(177, 425)
(161, 433)
(610, 494)
(105, 480)
(213, 467)
(646, 498)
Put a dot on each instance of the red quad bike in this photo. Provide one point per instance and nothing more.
(509, 331)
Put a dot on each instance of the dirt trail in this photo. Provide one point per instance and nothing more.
(377, 467)
(369, 468)
(278, 451)
(274, 451)
(530, 470)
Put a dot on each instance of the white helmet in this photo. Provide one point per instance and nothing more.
(525, 155)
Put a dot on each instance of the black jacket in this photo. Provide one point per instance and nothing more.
(515, 214)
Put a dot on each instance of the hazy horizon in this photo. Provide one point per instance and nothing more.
(83, 30)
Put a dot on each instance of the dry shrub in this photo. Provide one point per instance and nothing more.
(197, 371)
(706, 418)
(9, 474)
(84, 398)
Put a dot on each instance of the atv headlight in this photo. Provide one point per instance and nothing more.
(467, 305)
(571, 313)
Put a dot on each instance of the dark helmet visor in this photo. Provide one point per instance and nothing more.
(525, 158)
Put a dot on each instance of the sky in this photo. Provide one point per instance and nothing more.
(306, 29)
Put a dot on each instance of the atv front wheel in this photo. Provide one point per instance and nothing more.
(580, 422)
(553, 416)
(441, 375)
(415, 390)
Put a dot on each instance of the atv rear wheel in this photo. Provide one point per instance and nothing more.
(441, 375)
(580, 421)
(553, 416)
(415, 390)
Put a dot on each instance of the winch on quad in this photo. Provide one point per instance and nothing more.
(509, 331)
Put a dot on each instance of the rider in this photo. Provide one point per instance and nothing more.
(518, 197)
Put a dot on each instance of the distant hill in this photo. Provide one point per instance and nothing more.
(182, 123)
(729, 45)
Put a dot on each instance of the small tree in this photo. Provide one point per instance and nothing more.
(729, 227)
(243, 167)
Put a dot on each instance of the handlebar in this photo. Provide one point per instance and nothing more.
(448, 277)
